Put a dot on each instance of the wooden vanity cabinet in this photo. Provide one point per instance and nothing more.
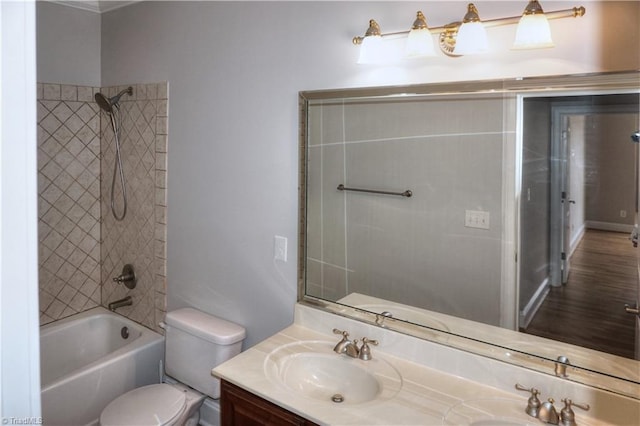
(239, 407)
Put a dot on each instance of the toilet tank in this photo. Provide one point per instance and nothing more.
(195, 343)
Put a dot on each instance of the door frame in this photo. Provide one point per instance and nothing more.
(522, 314)
(559, 180)
(19, 327)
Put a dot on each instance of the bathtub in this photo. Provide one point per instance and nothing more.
(85, 363)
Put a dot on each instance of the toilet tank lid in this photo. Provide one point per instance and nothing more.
(205, 326)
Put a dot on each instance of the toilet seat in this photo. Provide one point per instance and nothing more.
(158, 405)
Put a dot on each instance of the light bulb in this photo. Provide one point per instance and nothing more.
(533, 32)
(472, 36)
(420, 41)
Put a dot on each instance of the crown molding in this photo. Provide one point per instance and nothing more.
(95, 6)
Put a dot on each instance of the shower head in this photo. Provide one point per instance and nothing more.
(107, 104)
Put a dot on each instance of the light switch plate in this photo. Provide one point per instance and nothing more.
(476, 219)
(280, 248)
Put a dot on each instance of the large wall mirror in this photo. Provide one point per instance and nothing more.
(493, 216)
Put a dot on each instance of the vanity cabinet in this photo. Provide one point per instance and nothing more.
(242, 408)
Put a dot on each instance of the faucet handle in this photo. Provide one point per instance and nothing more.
(344, 333)
(365, 350)
(127, 277)
(567, 416)
(533, 403)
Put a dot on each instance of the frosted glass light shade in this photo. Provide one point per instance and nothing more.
(471, 39)
(420, 43)
(533, 32)
(371, 50)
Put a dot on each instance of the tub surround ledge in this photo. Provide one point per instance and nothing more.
(435, 379)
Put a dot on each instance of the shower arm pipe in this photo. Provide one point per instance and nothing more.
(574, 12)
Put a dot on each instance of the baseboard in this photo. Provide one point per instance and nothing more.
(210, 413)
(575, 241)
(529, 311)
(609, 226)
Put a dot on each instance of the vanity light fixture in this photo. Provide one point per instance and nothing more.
(371, 49)
(420, 41)
(468, 36)
(472, 36)
(533, 30)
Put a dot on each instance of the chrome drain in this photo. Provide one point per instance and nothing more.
(337, 398)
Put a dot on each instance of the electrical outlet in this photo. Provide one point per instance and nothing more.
(623, 213)
(280, 248)
(476, 219)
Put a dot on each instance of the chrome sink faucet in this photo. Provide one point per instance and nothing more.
(346, 346)
(547, 413)
(350, 347)
(561, 366)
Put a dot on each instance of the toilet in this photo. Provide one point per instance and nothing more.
(194, 344)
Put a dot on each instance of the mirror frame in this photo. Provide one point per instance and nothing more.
(565, 85)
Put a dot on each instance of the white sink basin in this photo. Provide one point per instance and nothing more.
(490, 412)
(311, 369)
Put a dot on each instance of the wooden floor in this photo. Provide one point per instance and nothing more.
(589, 310)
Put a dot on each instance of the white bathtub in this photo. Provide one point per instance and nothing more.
(85, 363)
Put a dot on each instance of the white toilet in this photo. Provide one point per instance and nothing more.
(194, 344)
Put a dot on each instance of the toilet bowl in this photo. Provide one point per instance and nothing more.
(161, 404)
(195, 343)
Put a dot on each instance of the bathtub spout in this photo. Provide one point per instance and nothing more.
(127, 301)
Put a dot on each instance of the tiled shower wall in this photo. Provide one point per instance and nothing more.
(68, 200)
(140, 238)
(81, 245)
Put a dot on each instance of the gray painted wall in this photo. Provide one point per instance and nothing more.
(610, 167)
(234, 70)
(68, 44)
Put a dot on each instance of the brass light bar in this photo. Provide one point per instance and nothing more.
(447, 33)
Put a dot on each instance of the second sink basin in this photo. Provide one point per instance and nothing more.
(313, 370)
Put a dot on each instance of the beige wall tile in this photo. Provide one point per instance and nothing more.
(76, 261)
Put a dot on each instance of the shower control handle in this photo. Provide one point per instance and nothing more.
(127, 277)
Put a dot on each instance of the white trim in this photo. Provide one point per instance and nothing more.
(529, 311)
(575, 241)
(19, 328)
(609, 226)
(511, 170)
(95, 6)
